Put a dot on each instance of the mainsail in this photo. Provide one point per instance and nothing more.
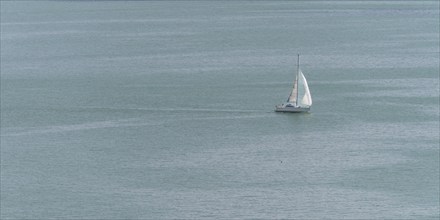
(300, 94)
(307, 98)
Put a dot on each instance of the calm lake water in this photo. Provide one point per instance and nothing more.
(164, 109)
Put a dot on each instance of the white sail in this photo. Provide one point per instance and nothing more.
(306, 99)
(294, 93)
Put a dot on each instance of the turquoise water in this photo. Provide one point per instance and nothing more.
(164, 109)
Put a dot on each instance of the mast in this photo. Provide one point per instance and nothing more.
(296, 83)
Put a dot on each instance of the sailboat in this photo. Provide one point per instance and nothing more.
(299, 99)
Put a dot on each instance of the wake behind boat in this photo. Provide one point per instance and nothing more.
(300, 99)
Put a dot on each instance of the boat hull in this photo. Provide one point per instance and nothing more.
(291, 109)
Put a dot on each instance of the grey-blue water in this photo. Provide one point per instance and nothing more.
(164, 109)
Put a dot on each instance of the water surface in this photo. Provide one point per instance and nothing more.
(164, 109)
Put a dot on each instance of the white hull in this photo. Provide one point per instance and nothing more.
(291, 109)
